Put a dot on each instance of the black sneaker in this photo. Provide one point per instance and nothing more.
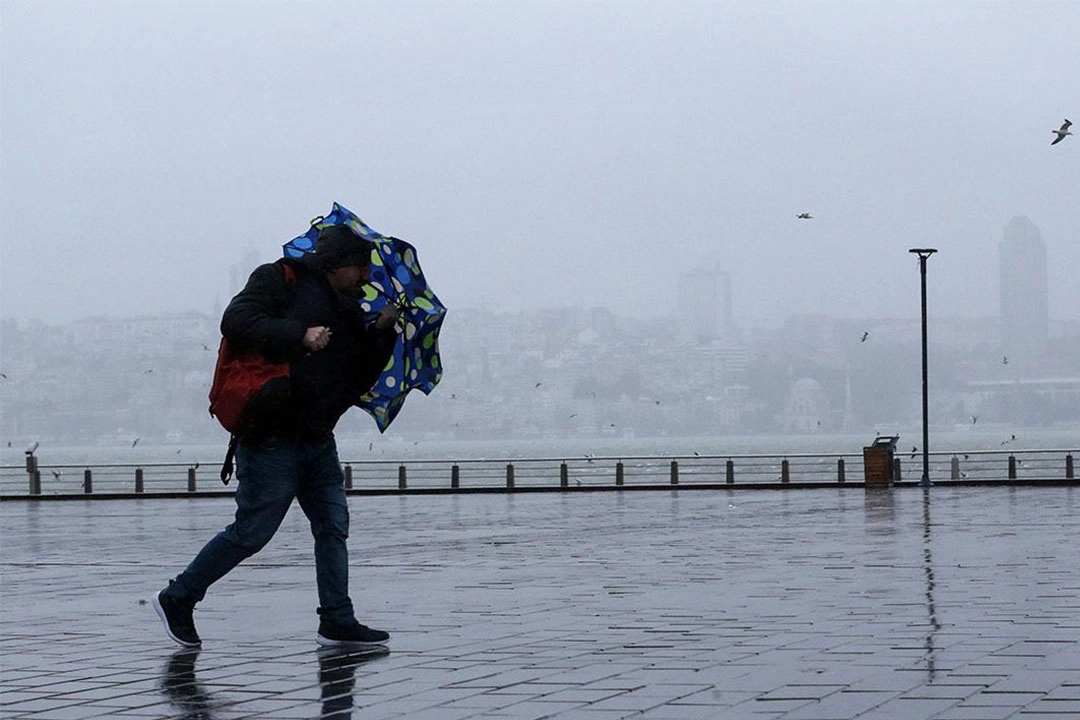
(177, 618)
(353, 635)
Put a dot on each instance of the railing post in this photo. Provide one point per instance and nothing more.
(896, 469)
(785, 471)
(564, 476)
(401, 484)
(138, 480)
(619, 473)
(729, 472)
(348, 477)
(455, 476)
(1069, 467)
(87, 481)
(32, 475)
(191, 479)
(840, 470)
(1012, 467)
(954, 465)
(674, 472)
(509, 476)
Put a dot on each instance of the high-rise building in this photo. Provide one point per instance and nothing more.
(704, 304)
(1024, 301)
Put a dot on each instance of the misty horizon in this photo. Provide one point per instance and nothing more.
(541, 154)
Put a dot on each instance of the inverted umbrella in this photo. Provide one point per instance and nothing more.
(396, 278)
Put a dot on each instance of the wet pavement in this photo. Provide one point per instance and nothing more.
(959, 603)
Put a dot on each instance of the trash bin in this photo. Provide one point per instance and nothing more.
(878, 461)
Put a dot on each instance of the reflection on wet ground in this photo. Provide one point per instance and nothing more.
(942, 602)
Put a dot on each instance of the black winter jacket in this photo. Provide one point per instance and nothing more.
(271, 316)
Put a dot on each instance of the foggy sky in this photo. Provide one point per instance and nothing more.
(539, 154)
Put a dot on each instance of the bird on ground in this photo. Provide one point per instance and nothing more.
(804, 216)
(865, 335)
(1061, 133)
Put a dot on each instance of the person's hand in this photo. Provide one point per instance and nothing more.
(316, 338)
(387, 317)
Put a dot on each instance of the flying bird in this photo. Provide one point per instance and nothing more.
(804, 216)
(57, 473)
(865, 335)
(1062, 132)
(134, 442)
(913, 451)
(1004, 359)
(537, 385)
(974, 419)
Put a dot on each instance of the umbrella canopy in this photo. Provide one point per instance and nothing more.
(396, 278)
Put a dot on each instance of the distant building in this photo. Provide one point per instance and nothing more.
(1024, 301)
(807, 407)
(704, 304)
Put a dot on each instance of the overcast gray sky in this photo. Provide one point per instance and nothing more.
(540, 154)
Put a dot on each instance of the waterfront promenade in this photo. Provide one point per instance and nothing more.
(957, 602)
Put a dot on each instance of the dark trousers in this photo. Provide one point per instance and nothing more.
(271, 473)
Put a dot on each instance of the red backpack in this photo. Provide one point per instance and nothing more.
(238, 378)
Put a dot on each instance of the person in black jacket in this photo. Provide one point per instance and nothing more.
(286, 449)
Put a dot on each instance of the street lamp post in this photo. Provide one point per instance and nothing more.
(923, 254)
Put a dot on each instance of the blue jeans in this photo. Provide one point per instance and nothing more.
(271, 473)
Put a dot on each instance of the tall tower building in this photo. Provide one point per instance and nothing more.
(704, 304)
(1024, 300)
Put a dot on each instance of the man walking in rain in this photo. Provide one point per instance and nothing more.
(307, 315)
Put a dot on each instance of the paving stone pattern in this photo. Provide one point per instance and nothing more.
(955, 603)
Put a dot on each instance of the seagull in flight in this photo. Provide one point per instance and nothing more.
(865, 335)
(1062, 132)
(804, 216)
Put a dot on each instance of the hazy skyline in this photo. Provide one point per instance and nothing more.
(539, 154)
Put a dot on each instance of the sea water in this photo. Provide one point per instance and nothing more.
(390, 447)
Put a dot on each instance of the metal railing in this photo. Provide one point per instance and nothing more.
(47, 481)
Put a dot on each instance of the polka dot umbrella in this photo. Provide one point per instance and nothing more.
(396, 278)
